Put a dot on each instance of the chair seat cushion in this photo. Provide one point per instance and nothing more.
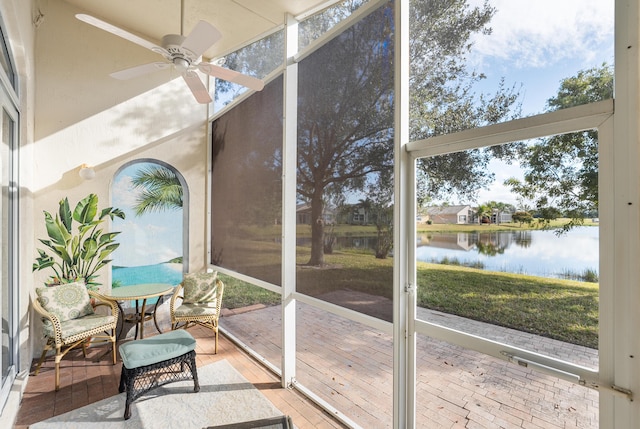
(156, 349)
(186, 310)
(94, 322)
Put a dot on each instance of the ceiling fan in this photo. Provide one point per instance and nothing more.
(183, 53)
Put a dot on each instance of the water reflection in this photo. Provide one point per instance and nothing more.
(540, 253)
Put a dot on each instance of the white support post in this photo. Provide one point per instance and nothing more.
(289, 169)
(404, 228)
(625, 414)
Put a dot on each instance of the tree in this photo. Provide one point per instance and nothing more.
(345, 124)
(263, 56)
(345, 115)
(316, 25)
(522, 218)
(442, 99)
(484, 211)
(160, 189)
(257, 59)
(381, 208)
(561, 172)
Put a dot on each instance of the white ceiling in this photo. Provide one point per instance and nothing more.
(239, 21)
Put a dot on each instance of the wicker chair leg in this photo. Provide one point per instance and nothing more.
(194, 372)
(58, 359)
(121, 387)
(113, 348)
(42, 358)
(130, 381)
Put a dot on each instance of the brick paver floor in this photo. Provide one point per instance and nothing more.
(84, 381)
(349, 365)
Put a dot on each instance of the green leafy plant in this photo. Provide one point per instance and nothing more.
(79, 254)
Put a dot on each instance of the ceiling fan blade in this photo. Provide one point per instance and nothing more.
(139, 70)
(120, 32)
(201, 38)
(197, 87)
(232, 76)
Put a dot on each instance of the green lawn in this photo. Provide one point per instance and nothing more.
(565, 310)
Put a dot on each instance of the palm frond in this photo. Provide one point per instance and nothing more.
(160, 190)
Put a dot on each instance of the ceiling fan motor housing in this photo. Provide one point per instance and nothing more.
(181, 57)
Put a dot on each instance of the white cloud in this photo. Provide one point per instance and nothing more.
(142, 244)
(124, 193)
(537, 33)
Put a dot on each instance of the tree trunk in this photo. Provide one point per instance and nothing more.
(317, 231)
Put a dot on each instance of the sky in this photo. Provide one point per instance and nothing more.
(536, 44)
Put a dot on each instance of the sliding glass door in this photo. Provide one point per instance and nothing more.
(8, 230)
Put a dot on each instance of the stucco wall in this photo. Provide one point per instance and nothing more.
(72, 113)
(85, 116)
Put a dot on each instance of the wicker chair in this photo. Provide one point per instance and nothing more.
(64, 332)
(200, 302)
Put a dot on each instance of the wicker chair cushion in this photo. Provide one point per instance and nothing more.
(82, 325)
(200, 288)
(188, 310)
(66, 301)
(139, 353)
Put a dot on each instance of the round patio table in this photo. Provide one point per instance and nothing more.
(139, 292)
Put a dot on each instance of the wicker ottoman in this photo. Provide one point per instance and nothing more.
(155, 361)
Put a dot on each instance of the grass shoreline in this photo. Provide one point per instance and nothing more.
(347, 230)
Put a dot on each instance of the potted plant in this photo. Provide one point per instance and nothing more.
(77, 255)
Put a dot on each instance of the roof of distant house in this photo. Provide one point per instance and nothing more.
(442, 210)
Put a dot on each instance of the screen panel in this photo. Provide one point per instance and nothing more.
(246, 186)
(345, 168)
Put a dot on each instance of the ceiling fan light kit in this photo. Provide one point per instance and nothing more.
(183, 53)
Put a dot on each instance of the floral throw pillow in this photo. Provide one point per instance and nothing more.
(66, 301)
(200, 288)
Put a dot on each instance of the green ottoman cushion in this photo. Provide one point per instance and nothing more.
(155, 349)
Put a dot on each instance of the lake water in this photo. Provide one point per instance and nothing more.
(538, 253)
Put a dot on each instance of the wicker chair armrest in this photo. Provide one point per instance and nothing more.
(220, 291)
(53, 319)
(40, 309)
(176, 295)
(101, 300)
